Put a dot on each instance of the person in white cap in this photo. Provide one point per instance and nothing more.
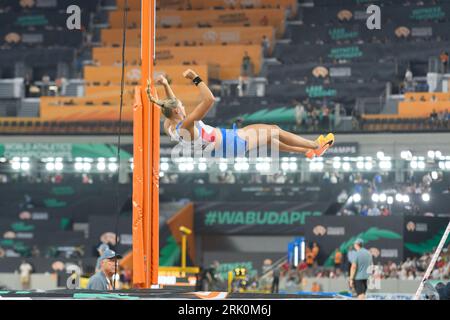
(102, 280)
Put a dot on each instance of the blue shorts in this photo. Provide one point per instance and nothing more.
(232, 144)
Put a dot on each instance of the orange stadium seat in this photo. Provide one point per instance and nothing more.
(213, 18)
(102, 75)
(421, 109)
(427, 96)
(229, 58)
(291, 5)
(189, 36)
(71, 109)
(189, 94)
(132, 4)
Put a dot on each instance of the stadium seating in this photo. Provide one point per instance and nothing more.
(193, 36)
(229, 64)
(97, 75)
(210, 18)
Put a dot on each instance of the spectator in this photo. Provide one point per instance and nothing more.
(102, 280)
(441, 119)
(325, 123)
(408, 80)
(27, 84)
(45, 85)
(309, 257)
(200, 279)
(229, 178)
(265, 43)
(365, 210)
(385, 211)
(276, 280)
(25, 270)
(264, 21)
(374, 211)
(315, 119)
(356, 119)
(350, 257)
(359, 269)
(315, 250)
(338, 259)
(299, 114)
(446, 119)
(316, 287)
(35, 253)
(444, 61)
(440, 291)
(433, 118)
(212, 279)
(334, 178)
(246, 66)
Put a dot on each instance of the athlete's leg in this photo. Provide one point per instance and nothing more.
(287, 148)
(295, 140)
(261, 134)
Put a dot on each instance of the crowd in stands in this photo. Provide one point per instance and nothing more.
(296, 279)
(310, 118)
(413, 187)
(439, 120)
(286, 277)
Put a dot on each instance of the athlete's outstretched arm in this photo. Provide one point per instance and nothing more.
(163, 81)
(203, 107)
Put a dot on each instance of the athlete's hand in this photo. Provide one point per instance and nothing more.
(161, 80)
(190, 74)
(351, 284)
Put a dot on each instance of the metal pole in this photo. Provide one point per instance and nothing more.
(433, 262)
(183, 252)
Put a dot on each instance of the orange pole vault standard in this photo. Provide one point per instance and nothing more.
(146, 162)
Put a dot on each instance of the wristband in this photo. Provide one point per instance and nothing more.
(197, 80)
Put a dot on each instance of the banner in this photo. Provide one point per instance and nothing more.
(339, 92)
(63, 37)
(351, 13)
(254, 192)
(49, 5)
(382, 236)
(357, 32)
(68, 151)
(40, 19)
(423, 234)
(369, 52)
(287, 218)
(343, 150)
(74, 200)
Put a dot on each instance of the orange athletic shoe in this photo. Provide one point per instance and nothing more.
(324, 144)
(311, 153)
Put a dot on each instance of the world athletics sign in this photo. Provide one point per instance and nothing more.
(36, 150)
(62, 150)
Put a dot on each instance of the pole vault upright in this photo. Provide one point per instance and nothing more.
(146, 162)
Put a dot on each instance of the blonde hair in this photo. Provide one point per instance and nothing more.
(167, 106)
